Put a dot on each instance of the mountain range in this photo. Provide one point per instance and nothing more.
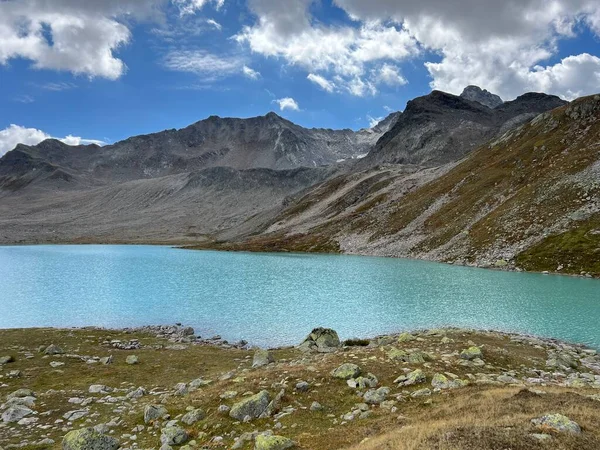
(465, 179)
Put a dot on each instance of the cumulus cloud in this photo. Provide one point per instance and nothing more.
(287, 103)
(390, 75)
(250, 73)
(192, 6)
(499, 45)
(16, 134)
(287, 31)
(214, 24)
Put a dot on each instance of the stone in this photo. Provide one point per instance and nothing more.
(173, 436)
(262, 358)
(154, 412)
(316, 406)
(322, 340)
(6, 360)
(406, 337)
(15, 413)
(53, 350)
(55, 364)
(414, 377)
(302, 386)
(556, 423)
(471, 353)
(266, 442)
(193, 416)
(137, 393)
(223, 409)
(253, 406)
(440, 381)
(106, 360)
(75, 415)
(368, 381)
(20, 393)
(376, 396)
(89, 439)
(346, 371)
(199, 382)
(181, 389)
(421, 393)
(132, 359)
(99, 389)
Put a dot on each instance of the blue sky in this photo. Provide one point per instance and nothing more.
(110, 69)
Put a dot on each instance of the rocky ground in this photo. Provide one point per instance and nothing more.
(163, 387)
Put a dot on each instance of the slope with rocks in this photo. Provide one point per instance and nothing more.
(439, 128)
(530, 199)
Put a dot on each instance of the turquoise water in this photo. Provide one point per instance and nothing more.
(276, 299)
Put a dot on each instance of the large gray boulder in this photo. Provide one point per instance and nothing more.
(323, 340)
(346, 371)
(173, 436)
(262, 358)
(154, 412)
(15, 413)
(270, 442)
(556, 423)
(193, 416)
(252, 407)
(89, 439)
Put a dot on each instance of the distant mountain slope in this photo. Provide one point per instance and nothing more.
(269, 142)
(530, 199)
(439, 128)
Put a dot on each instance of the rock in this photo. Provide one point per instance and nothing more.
(89, 439)
(55, 364)
(471, 353)
(6, 360)
(154, 412)
(106, 360)
(323, 340)
(193, 416)
(418, 357)
(482, 96)
(375, 397)
(173, 436)
(181, 389)
(99, 389)
(414, 377)
(199, 382)
(369, 381)
(75, 415)
(19, 401)
(20, 393)
(346, 371)
(223, 409)
(262, 358)
(253, 406)
(556, 423)
(53, 350)
(137, 393)
(440, 381)
(316, 406)
(421, 393)
(406, 337)
(541, 437)
(15, 413)
(566, 360)
(265, 442)
(132, 359)
(302, 386)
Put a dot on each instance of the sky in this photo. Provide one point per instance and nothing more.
(103, 70)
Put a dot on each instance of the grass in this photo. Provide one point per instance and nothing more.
(423, 424)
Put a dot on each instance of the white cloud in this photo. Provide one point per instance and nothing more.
(286, 30)
(200, 62)
(24, 99)
(193, 6)
(390, 75)
(16, 134)
(250, 73)
(215, 24)
(495, 44)
(287, 103)
(322, 82)
(61, 86)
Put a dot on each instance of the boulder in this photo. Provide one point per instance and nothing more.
(75, 415)
(99, 389)
(376, 396)
(252, 407)
(20, 393)
(89, 439)
(265, 442)
(53, 349)
(262, 358)
(6, 360)
(556, 423)
(471, 353)
(406, 337)
(368, 381)
(346, 371)
(323, 340)
(173, 436)
(411, 378)
(193, 416)
(440, 381)
(154, 412)
(15, 413)
(132, 359)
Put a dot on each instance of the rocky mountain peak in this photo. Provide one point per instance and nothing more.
(486, 98)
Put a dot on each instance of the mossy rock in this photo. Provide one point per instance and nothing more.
(471, 353)
(253, 406)
(556, 423)
(264, 442)
(89, 439)
(406, 337)
(346, 371)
